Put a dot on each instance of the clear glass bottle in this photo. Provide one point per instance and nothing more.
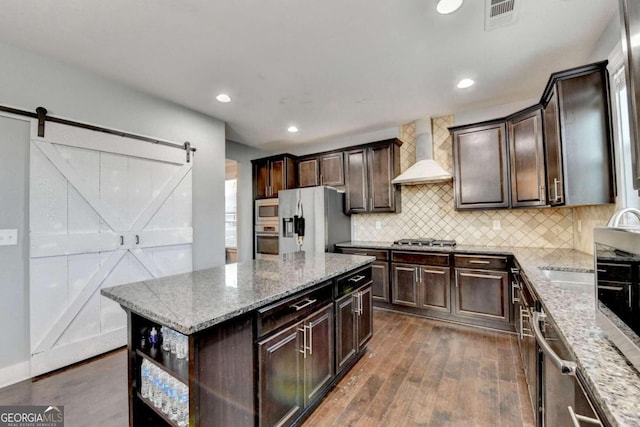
(157, 393)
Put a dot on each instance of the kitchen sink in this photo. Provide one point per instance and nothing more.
(577, 280)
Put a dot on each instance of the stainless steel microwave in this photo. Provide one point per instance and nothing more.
(617, 263)
(266, 211)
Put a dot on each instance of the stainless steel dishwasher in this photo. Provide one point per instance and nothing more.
(564, 400)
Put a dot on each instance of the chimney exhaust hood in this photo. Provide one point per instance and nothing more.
(425, 170)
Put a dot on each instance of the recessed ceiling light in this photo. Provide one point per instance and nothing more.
(292, 129)
(465, 83)
(447, 6)
(223, 97)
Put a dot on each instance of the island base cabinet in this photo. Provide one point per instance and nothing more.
(354, 325)
(295, 368)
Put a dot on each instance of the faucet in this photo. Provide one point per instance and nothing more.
(615, 219)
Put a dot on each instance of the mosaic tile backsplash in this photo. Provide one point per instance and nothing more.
(427, 210)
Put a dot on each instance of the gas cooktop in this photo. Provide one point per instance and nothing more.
(424, 242)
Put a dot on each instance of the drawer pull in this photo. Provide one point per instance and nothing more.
(356, 278)
(476, 261)
(611, 288)
(360, 253)
(302, 304)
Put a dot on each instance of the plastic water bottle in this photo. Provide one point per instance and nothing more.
(153, 373)
(174, 341)
(183, 411)
(144, 378)
(168, 384)
(157, 394)
(174, 401)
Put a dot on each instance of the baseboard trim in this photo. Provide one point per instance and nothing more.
(15, 373)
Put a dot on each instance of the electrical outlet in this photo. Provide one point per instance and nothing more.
(8, 237)
(378, 225)
(496, 224)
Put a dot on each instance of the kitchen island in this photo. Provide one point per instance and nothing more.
(266, 338)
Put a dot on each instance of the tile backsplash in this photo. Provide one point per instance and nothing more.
(428, 211)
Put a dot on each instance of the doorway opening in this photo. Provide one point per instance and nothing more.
(231, 211)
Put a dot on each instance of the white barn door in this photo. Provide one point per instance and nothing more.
(104, 210)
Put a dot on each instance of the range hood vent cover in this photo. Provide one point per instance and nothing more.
(500, 13)
(425, 170)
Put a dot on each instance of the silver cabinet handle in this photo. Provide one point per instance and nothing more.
(576, 419)
(302, 304)
(310, 340)
(356, 278)
(557, 196)
(611, 288)
(360, 253)
(303, 350)
(515, 270)
(475, 261)
(356, 303)
(566, 367)
(360, 298)
(601, 270)
(525, 317)
(629, 292)
(514, 286)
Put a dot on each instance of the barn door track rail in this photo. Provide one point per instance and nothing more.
(41, 116)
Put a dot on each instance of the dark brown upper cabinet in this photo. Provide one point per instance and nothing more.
(368, 175)
(630, 23)
(326, 169)
(481, 166)
(578, 137)
(332, 169)
(273, 174)
(308, 172)
(559, 152)
(526, 155)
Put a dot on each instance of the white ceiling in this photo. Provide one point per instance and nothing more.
(330, 67)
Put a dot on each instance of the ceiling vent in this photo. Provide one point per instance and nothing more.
(500, 13)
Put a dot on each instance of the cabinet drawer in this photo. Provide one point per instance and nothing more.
(282, 313)
(381, 255)
(481, 261)
(354, 280)
(421, 258)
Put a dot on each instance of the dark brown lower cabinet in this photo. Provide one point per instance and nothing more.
(295, 367)
(354, 325)
(483, 294)
(380, 277)
(422, 286)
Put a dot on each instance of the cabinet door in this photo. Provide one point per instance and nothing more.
(345, 330)
(277, 178)
(482, 294)
(357, 196)
(405, 285)
(332, 170)
(380, 278)
(436, 288)
(480, 163)
(261, 180)
(527, 160)
(553, 152)
(318, 358)
(365, 317)
(280, 398)
(308, 172)
(380, 171)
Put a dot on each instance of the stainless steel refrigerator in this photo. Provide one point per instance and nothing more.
(315, 212)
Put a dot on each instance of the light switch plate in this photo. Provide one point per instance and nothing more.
(496, 224)
(378, 225)
(8, 237)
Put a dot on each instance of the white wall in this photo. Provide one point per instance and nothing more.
(28, 80)
(243, 154)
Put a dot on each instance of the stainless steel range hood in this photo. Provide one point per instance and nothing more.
(425, 170)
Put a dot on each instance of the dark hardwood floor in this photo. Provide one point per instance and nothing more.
(417, 372)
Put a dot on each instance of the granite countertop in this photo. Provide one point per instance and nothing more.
(614, 383)
(194, 301)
